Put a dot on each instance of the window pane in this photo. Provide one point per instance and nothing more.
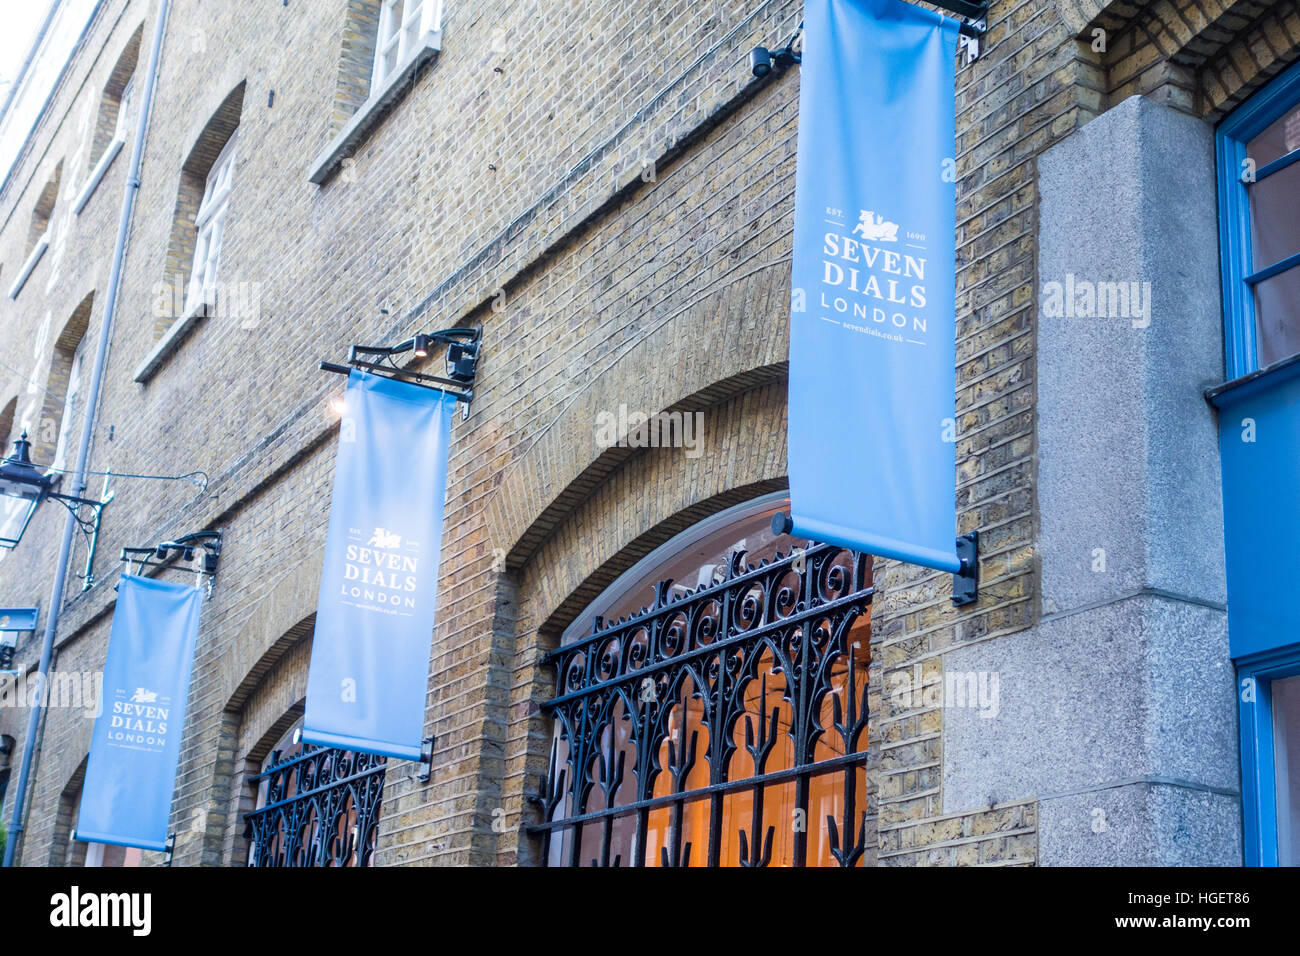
(774, 843)
(1277, 317)
(409, 37)
(1278, 140)
(390, 24)
(124, 109)
(388, 63)
(1286, 765)
(1275, 217)
(690, 846)
(195, 290)
(700, 564)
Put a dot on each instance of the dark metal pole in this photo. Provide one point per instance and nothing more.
(87, 432)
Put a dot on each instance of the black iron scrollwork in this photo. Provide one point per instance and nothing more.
(678, 683)
(321, 808)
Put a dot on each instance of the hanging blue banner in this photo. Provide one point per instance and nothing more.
(872, 328)
(369, 675)
(126, 797)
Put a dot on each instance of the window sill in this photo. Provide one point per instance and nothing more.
(96, 175)
(370, 112)
(170, 341)
(1252, 383)
(41, 245)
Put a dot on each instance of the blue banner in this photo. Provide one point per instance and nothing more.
(369, 676)
(126, 797)
(872, 329)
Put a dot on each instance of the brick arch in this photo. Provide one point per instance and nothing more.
(282, 619)
(43, 211)
(61, 843)
(51, 423)
(1202, 59)
(266, 713)
(731, 339)
(263, 680)
(649, 499)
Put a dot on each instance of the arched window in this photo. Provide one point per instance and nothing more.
(63, 404)
(44, 210)
(714, 710)
(111, 129)
(384, 44)
(38, 239)
(209, 225)
(114, 118)
(198, 234)
(72, 393)
(315, 806)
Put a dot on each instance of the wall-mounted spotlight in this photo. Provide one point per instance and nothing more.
(184, 548)
(763, 61)
(462, 356)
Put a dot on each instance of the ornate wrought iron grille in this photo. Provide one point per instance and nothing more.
(321, 809)
(703, 728)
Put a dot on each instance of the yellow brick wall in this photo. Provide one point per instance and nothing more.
(605, 189)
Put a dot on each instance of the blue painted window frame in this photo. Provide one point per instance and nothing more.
(1239, 272)
(1258, 786)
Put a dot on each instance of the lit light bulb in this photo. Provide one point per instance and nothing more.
(338, 406)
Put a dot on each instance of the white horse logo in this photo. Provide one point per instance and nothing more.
(383, 538)
(874, 228)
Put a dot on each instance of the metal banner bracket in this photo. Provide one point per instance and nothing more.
(462, 355)
(966, 582)
(203, 545)
(425, 762)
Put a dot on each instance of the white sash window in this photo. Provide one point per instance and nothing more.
(402, 24)
(124, 110)
(210, 223)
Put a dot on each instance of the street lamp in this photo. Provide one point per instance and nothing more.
(22, 489)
